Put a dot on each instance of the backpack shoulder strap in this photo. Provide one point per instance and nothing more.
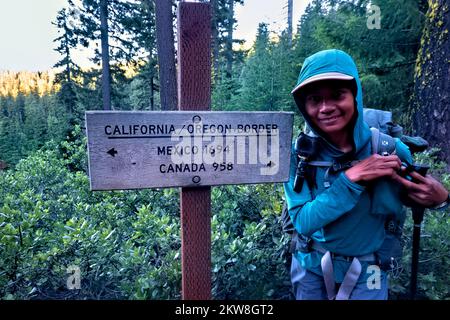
(382, 143)
(286, 223)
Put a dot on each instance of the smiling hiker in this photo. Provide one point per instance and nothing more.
(342, 201)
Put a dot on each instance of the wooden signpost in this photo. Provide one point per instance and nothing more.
(193, 148)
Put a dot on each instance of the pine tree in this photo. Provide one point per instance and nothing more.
(101, 21)
(67, 42)
(12, 138)
(142, 25)
(104, 39)
(229, 40)
(215, 38)
(227, 61)
(306, 41)
(289, 29)
(34, 124)
(166, 55)
(257, 74)
(226, 23)
(385, 56)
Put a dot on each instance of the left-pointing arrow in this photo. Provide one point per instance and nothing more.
(112, 152)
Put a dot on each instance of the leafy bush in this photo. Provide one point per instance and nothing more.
(248, 245)
(50, 220)
(126, 244)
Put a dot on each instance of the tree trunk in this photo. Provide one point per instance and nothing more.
(152, 91)
(68, 78)
(3, 165)
(106, 76)
(289, 28)
(229, 52)
(166, 55)
(215, 38)
(431, 98)
(151, 60)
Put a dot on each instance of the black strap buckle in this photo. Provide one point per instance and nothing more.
(303, 243)
(346, 258)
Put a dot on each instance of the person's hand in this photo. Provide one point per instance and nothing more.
(374, 167)
(426, 191)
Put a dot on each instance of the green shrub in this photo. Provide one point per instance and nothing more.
(126, 243)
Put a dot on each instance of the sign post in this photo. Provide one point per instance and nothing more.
(194, 93)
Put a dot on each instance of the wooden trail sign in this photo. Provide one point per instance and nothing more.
(132, 150)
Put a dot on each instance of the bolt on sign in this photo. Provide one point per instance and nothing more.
(134, 150)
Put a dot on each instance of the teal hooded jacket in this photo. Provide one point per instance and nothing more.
(347, 218)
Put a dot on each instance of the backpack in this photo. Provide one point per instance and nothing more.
(384, 130)
(382, 121)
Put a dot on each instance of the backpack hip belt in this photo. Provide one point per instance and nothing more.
(371, 257)
(351, 276)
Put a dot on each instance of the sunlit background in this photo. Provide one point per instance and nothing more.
(26, 31)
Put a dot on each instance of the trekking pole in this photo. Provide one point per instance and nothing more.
(417, 214)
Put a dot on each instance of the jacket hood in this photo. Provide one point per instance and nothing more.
(333, 62)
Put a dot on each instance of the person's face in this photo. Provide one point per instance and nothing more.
(330, 106)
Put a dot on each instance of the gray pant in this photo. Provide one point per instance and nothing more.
(310, 286)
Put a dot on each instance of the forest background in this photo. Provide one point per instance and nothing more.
(127, 244)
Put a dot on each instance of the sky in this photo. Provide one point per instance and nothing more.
(26, 32)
